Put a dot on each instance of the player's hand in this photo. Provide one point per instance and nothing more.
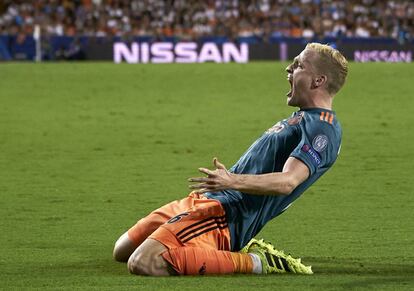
(216, 180)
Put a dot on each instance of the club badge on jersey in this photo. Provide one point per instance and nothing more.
(278, 127)
(296, 119)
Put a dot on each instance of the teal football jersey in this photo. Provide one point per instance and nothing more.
(310, 135)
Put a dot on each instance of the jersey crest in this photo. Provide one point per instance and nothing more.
(278, 127)
(296, 119)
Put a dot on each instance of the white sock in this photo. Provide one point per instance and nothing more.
(257, 264)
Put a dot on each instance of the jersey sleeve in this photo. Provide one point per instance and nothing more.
(318, 147)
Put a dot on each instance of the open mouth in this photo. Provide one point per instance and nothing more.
(290, 79)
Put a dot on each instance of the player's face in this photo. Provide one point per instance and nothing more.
(300, 77)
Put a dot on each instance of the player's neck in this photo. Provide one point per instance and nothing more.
(320, 100)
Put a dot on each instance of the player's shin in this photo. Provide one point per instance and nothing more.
(200, 261)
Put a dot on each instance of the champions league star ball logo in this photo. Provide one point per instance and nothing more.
(320, 142)
(305, 148)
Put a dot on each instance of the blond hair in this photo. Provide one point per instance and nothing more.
(332, 64)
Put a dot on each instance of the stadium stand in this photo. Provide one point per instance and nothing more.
(259, 19)
(253, 21)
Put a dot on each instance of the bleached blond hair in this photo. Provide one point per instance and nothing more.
(332, 64)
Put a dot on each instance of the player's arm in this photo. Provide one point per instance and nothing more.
(281, 183)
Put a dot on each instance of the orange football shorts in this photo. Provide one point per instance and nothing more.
(193, 221)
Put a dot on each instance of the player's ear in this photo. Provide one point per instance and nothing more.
(319, 81)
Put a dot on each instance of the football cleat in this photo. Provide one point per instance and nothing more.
(274, 261)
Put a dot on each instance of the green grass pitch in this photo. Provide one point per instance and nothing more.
(87, 149)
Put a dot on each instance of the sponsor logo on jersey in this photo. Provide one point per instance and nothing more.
(315, 157)
(320, 142)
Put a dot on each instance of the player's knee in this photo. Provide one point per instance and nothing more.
(134, 264)
(147, 259)
(123, 248)
(139, 264)
(148, 264)
(118, 254)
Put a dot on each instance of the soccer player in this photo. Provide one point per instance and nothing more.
(211, 231)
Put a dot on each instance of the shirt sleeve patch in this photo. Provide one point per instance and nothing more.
(313, 154)
(320, 142)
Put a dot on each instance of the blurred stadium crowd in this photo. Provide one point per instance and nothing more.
(188, 20)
